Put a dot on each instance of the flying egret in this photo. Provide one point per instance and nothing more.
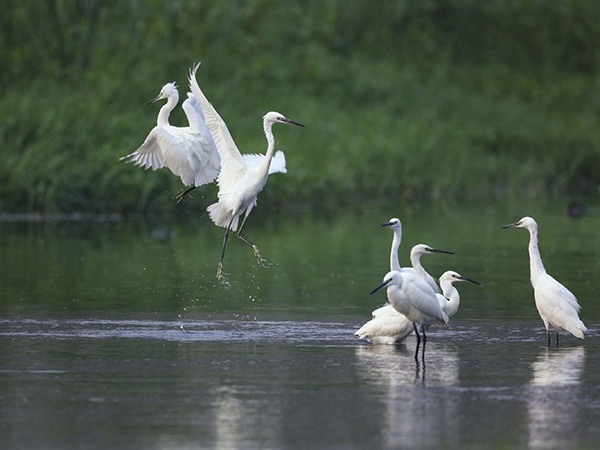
(412, 296)
(450, 300)
(239, 182)
(387, 325)
(189, 152)
(555, 303)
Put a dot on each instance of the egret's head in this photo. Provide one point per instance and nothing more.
(394, 224)
(274, 117)
(452, 276)
(169, 90)
(390, 278)
(421, 249)
(525, 222)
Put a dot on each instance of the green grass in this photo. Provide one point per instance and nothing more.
(403, 102)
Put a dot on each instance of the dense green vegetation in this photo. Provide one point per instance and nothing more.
(404, 101)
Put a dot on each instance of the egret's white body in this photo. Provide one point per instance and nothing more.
(450, 300)
(239, 181)
(557, 306)
(411, 296)
(189, 152)
(387, 325)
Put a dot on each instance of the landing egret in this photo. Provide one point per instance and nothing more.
(555, 303)
(387, 325)
(239, 182)
(450, 300)
(412, 296)
(189, 152)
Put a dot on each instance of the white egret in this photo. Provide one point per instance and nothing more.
(555, 303)
(412, 296)
(387, 325)
(450, 300)
(239, 182)
(189, 152)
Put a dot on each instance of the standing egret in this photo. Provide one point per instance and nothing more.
(451, 299)
(387, 325)
(239, 182)
(555, 303)
(412, 296)
(189, 152)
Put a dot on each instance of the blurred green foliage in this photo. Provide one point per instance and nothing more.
(404, 101)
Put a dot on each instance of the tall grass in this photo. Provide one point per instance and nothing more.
(403, 101)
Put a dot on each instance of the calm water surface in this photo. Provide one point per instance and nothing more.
(117, 335)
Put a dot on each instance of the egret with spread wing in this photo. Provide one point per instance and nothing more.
(239, 182)
(189, 152)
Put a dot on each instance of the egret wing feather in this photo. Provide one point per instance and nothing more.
(422, 297)
(558, 305)
(233, 165)
(148, 155)
(254, 160)
(388, 326)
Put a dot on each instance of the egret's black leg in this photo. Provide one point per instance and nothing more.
(424, 342)
(418, 342)
(220, 268)
(549, 340)
(181, 196)
(557, 338)
(254, 247)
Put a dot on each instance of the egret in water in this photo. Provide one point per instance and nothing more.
(412, 296)
(555, 303)
(189, 152)
(239, 182)
(450, 300)
(387, 325)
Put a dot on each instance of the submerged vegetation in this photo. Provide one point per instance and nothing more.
(404, 101)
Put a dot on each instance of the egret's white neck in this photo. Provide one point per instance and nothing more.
(394, 261)
(451, 293)
(165, 111)
(535, 260)
(268, 129)
(415, 260)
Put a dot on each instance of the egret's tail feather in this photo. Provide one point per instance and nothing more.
(577, 329)
(221, 216)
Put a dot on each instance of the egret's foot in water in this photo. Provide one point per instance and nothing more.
(257, 254)
(220, 270)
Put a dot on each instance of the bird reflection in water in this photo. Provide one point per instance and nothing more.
(412, 415)
(554, 397)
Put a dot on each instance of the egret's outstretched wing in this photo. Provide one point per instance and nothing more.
(149, 154)
(254, 160)
(232, 163)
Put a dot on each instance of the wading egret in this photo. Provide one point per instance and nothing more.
(189, 152)
(450, 300)
(239, 182)
(555, 303)
(412, 296)
(387, 325)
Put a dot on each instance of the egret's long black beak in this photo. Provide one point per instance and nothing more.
(469, 280)
(435, 250)
(286, 120)
(384, 284)
(154, 99)
(387, 224)
(511, 225)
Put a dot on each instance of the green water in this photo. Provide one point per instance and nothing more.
(117, 334)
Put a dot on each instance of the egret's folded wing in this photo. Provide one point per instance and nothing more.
(232, 163)
(277, 162)
(423, 298)
(149, 154)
